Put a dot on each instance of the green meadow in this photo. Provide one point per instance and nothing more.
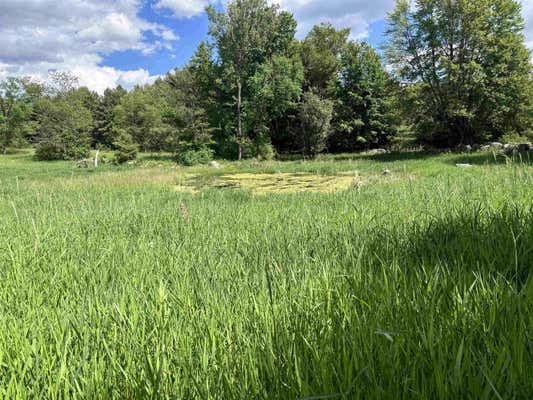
(317, 279)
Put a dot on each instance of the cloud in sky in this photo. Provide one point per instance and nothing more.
(527, 12)
(354, 14)
(39, 35)
(77, 35)
(183, 8)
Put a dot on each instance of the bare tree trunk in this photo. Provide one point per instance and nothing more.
(96, 159)
(239, 117)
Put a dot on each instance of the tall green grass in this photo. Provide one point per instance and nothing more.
(414, 289)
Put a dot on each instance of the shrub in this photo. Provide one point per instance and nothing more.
(60, 150)
(265, 151)
(126, 148)
(194, 157)
(47, 152)
(63, 130)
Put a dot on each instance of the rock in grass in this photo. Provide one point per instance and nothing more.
(82, 163)
(513, 148)
(376, 152)
(214, 164)
(463, 165)
(386, 172)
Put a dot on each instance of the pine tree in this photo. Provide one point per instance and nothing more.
(126, 148)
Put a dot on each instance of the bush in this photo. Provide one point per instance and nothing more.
(126, 148)
(265, 151)
(47, 152)
(58, 150)
(515, 138)
(194, 157)
(63, 129)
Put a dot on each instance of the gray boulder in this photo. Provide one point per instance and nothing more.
(374, 152)
(510, 148)
(82, 163)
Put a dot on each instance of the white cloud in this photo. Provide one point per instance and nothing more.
(87, 69)
(527, 12)
(39, 35)
(183, 8)
(354, 14)
(360, 14)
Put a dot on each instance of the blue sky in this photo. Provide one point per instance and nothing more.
(190, 31)
(129, 42)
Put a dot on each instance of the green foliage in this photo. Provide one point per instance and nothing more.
(51, 151)
(265, 151)
(364, 112)
(460, 73)
(470, 66)
(141, 113)
(315, 117)
(104, 115)
(275, 88)
(320, 52)
(246, 34)
(64, 126)
(194, 157)
(15, 109)
(193, 140)
(126, 148)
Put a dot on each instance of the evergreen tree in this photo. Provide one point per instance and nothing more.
(364, 115)
(125, 147)
(193, 140)
(104, 132)
(275, 89)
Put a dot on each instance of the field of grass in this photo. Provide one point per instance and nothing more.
(156, 281)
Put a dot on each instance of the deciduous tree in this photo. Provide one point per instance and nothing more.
(470, 66)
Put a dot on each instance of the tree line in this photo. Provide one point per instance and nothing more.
(453, 72)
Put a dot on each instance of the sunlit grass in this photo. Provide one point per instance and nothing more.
(413, 285)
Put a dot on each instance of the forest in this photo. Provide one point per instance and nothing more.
(451, 73)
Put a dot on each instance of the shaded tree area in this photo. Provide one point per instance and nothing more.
(466, 66)
(458, 72)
